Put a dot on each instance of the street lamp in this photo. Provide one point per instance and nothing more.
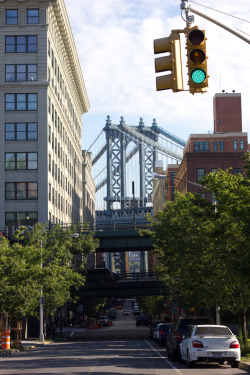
(164, 176)
(41, 336)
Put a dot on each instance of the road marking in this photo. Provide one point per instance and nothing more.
(165, 359)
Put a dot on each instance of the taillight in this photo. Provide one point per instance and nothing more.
(177, 337)
(234, 345)
(161, 333)
(197, 344)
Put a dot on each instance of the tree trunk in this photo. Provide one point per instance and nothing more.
(243, 324)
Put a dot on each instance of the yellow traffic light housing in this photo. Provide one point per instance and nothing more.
(171, 63)
(196, 60)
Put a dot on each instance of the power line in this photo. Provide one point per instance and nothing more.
(219, 11)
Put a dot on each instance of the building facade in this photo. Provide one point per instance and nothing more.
(88, 190)
(205, 153)
(43, 97)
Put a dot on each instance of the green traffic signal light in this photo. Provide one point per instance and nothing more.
(198, 75)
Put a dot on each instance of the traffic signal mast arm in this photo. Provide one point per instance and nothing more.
(185, 5)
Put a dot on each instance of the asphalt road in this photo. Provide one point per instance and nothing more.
(120, 349)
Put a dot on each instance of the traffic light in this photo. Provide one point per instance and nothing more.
(170, 62)
(196, 60)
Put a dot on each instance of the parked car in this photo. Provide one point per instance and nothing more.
(142, 320)
(126, 312)
(152, 328)
(182, 327)
(210, 343)
(162, 332)
(112, 313)
(136, 311)
(104, 320)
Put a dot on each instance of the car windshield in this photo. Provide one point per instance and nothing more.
(166, 328)
(213, 331)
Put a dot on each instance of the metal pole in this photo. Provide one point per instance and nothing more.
(185, 5)
(41, 336)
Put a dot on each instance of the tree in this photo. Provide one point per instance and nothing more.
(204, 248)
(58, 277)
(19, 270)
(37, 260)
(232, 194)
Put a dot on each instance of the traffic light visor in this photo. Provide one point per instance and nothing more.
(198, 75)
(196, 37)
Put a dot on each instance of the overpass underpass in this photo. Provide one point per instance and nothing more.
(130, 285)
(118, 243)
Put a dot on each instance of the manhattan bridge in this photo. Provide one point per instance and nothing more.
(123, 161)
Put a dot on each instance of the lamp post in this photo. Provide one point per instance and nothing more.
(164, 176)
(41, 336)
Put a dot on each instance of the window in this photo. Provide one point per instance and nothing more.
(21, 44)
(215, 146)
(222, 145)
(20, 72)
(201, 146)
(20, 160)
(32, 16)
(242, 145)
(21, 131)
(52, 58)
(20, 218)
(49, 163)
(20, 102)
(11, 17)
(50, 192)
(200, 174)
(20, 190)
(235, 145)
(237, 170)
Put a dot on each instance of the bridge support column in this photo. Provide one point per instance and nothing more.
(151, 261)
(143, 261)
(98, 260)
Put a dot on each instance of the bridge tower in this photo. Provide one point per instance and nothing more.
(117, 140)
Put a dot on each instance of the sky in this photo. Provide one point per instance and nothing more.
(114, 40)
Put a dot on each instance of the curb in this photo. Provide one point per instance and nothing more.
(244, 365)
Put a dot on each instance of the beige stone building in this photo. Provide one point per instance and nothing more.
(43, 97)
(88, 190)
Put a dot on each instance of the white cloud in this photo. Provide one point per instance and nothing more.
(114, 39)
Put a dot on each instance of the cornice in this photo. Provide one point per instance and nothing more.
(71, 51)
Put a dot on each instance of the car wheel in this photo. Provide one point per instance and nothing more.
(235, 364)
(189, 362)
(173, 356)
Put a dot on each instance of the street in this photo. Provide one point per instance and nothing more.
(120, 349)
